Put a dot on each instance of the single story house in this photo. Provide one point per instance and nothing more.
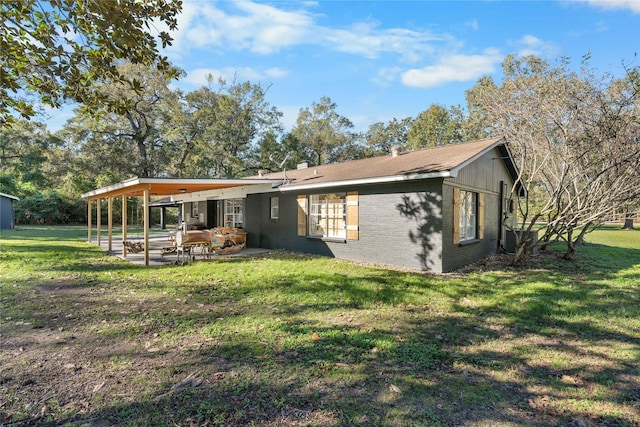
(434, 209)
(7, 212)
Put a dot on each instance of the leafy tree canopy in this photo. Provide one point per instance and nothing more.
(324, 134)
(54, 50)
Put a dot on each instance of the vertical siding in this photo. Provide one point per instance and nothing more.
(6, 213)
(483, 176)
(485, 173)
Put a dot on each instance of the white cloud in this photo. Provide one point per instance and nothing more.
(452, 68)
(473, 24)
(249, 26)
(276, 73)
(532, 45)
(368, 40)
(632, 5)
(264, 29)
(386, 76)
(199, 76)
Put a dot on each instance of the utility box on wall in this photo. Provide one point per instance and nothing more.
(530, 237)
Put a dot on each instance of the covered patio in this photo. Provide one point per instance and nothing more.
(177, 188)
(157, 256)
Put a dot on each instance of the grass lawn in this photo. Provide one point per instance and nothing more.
(286, 339)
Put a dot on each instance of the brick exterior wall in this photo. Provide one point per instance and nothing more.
(405, 224)
(399, 225)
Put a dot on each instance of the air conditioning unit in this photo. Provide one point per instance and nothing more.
(531, 238)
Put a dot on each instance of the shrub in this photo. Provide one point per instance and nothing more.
(49, 207)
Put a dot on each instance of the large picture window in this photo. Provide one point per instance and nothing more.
(327, 215)
(233, 213)
(468, 215)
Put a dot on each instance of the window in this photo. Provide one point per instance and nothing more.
(275, 208)
(468, 215)
(327, 215)
(194, 210)
(233, 213)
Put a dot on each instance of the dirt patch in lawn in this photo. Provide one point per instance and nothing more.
(331, 349)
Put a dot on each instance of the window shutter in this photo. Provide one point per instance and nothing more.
(302, 215)
(352, 216)
(480, 215)
(456, 216)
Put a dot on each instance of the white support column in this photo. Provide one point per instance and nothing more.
(124, 225)
(146, 226)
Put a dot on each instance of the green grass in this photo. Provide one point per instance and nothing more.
(288, 339)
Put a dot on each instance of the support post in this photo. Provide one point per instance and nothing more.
(163, 220)
(89, 220)
(146, 226)
(124, 225)
(110, 222)
(98, 218)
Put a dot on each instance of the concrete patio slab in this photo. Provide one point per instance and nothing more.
(158, 241)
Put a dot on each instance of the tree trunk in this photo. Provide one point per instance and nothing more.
(569, 253)
(628, 221)
(520, 253)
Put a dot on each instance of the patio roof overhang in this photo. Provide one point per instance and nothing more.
(169, 186)
(146, 187)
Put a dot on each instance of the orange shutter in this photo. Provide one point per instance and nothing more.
(456, 216)
(480, 215)
(352, 216)
(302, 215)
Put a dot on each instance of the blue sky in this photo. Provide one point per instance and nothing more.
(383, 59)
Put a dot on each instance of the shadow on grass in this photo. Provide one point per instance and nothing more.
(301, 347)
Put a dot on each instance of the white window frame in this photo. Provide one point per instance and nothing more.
(327, 217)
(274, 212)
(468, 215)
(234, 213)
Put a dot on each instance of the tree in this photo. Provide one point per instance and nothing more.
(191, 121)
(23, 150)
(242, 119)
(220, 130)
(433, 127)
(570, 136)
(56, 49)
(380, 138)
(130, 142)
(324, 135)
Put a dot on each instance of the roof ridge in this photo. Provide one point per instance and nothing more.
(388, 155)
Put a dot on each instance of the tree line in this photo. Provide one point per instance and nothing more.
(573, 134)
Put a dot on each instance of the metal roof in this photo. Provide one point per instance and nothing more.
(9, 196)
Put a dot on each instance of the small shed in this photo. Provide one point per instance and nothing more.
(7, 212)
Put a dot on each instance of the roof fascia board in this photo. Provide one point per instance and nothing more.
(224, 193)
(150, 181)
(110, 188)
(365, 181)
